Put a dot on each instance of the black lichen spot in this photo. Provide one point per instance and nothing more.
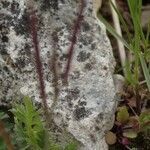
(97, 128)
(83, 40)
(80, 46)
(83, 56)
(22, 25)
(27, 49)
(64, 57)
(73, 94)
(14, 7)
(63, 1)
(5, 4)
(3, 50)
(70, 104)
(86, 26)
(49, 5)
(68, 98)
(20, 62)
(105, 68)
(80, 113)
(86, 39)
(93, 138)
(5, 68)
(54, 4)
(5, 38)
(100, 117)
(75, 75)
(90, 11)
(82, 103)
(93, 46)
(88, 66)
(4, 29)
(58, 30)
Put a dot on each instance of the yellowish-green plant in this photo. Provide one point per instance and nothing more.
(132, 125)
(30, 130)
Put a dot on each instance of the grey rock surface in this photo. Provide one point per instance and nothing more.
(86, 106)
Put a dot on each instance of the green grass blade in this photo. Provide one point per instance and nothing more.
(148, 34)
(146, 71)
(123, 22)
(129, 74)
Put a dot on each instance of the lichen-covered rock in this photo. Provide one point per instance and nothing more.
(85, 107)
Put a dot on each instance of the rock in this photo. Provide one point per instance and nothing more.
(119, 82)
(86, 106)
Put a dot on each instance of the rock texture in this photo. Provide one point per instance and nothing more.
(86, 106)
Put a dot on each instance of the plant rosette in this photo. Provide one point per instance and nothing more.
(132, 125)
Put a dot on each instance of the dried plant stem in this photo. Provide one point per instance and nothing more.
(133, 111)
(39, 68)
(76, 28)
(128, 147)
(5, 137)
(118, 30)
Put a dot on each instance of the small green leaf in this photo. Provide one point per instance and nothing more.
(130, 134)
(144, 119)
(122, 115)
(146, 70)
(28, 125)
